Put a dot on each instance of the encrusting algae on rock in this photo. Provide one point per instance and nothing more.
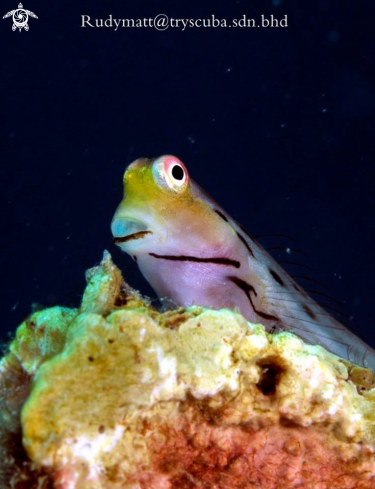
(118, 395)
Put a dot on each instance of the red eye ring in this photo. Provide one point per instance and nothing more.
(172, 172)
(170, 162)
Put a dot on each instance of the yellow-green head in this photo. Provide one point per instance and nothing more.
(164, 210)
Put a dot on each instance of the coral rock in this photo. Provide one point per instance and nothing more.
(123, 396)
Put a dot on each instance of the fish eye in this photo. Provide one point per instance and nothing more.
(170, 172)
(177, 172)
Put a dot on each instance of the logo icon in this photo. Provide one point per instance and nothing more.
(20, 17)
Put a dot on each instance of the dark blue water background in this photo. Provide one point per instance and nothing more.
(276, 124)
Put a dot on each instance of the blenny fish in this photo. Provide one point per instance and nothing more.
(193, 253)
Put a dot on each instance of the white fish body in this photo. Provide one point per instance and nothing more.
(192, 252)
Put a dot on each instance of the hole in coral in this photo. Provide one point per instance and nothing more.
(270, 376)
(90, 359)
(122, 298)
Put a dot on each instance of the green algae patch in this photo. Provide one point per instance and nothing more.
(41, 336)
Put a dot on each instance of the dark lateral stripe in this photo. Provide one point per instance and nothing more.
(247, 288)
(221, 215)
(245, 243)
(139, 235)
(216, 261)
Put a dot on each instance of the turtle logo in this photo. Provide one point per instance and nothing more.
(20, 17)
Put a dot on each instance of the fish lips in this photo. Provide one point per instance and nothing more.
(125, 229)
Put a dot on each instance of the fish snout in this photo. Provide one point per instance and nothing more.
(126, 229)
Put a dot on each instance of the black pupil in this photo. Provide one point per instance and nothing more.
(177, 172)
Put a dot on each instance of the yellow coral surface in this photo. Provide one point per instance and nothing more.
(126, 397)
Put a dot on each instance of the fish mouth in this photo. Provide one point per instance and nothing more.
(130, 237)
(125, 229)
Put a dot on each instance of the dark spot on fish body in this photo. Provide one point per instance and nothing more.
(301, 290)
(238, 234)
(221, 215)
(308, 311)
(247, 288)
(277, 277)
(245, 243)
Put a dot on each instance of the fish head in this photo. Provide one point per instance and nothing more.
(164, 211)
